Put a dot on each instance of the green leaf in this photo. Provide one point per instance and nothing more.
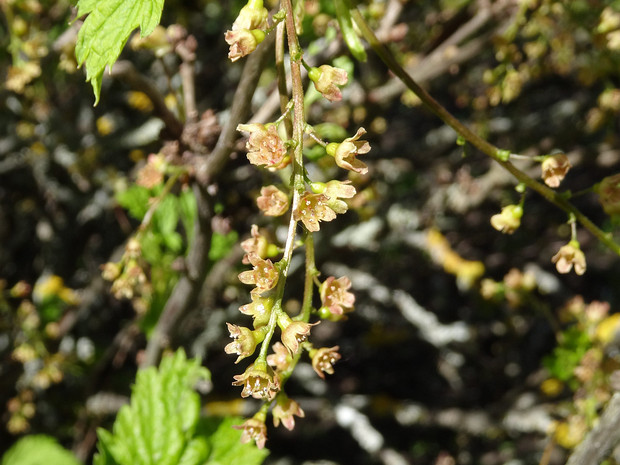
(167, 214)
(221, 244)
(38, 449)
(158, 426)
(226, 448)
(135, 200)
(106, 30)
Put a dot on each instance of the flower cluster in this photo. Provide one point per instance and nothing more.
(307, 202)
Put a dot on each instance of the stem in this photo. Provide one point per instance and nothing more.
(485, 147)
(311, 272)
(298, 128)
(280, 70)
(298, 169)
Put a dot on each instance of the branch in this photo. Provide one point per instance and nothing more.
(185, 294)
(238, 113)
(125, 71)
(485, 147)
(602, 439)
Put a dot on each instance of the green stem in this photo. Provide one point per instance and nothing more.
(281, 71)
(299, 124)
(311, 272)
(485, 147)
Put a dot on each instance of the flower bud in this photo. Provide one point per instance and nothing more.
(509, 220)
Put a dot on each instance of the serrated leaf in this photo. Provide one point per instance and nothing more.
(158, 426)
(37, 449)
(106, 30)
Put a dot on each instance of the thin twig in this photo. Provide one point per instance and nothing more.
(185, 294)
(186, 50)
(125, 71)
(485, 147)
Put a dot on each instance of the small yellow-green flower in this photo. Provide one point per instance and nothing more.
(569, 256)
(509, 220)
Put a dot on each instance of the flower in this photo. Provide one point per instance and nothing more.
(335, 295)
(253, 429)
(264, 274)
(323, 360)
(313, 208)
(327, 79)
(265, 148)
(244, 342)
(284, 410)
(152, 174)
(253, 15)
(568, 256)
(247, 30)
(609, 194)
(280, 359)
(272, 201)
(256, 244)
(295, 333)
(335, 190)
(258, 381)
(509, 220)
(346, 152)
(259, 309)
(243, 42)
(554, 168)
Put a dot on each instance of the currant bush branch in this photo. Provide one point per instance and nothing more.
(187, 289)
(484, 146)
